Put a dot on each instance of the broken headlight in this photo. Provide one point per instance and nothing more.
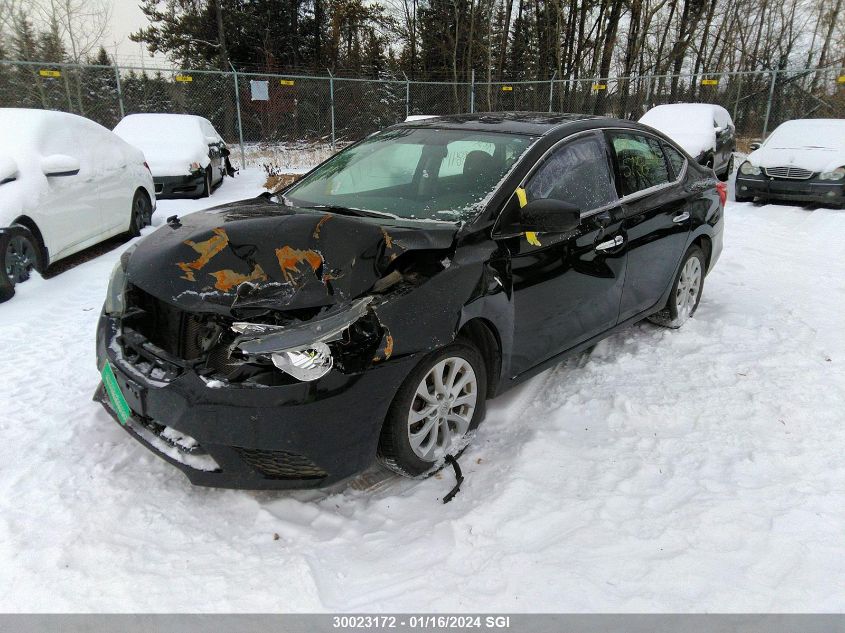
(115, 303)
(299, 350)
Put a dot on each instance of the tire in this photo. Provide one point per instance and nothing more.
(21, 253)
(426, 451)
(686, 291)
(141, 213)
(206, 189)
(728, 170)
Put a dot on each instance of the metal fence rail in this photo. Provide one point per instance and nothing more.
(304, 110)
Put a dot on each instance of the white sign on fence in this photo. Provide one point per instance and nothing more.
(260, 90)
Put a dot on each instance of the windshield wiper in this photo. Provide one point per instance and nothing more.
(361, 213)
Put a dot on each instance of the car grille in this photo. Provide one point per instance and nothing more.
(183, 337)
(793, 173)
(280, 464)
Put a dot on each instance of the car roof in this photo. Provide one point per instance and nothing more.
(532, 123)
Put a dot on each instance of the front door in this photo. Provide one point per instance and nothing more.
(567, 287)
(656, 216)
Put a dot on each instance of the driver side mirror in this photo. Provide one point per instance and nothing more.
(755, 144)
(549, 216)
(59, 165)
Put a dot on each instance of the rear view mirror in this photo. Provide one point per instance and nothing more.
(549, 216)
(8, 169)
(755, 145)
(59, 165)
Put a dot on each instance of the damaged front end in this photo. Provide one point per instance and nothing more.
(264, 336)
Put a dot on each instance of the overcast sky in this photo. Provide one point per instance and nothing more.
(126, 17)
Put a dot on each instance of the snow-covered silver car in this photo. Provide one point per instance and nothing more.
(802, 160)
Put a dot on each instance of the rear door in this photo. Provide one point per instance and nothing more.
(656, 216)
(567, 287)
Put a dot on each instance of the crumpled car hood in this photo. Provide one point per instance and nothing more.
(260, 254)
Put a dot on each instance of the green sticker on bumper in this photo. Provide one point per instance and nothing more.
(118, 402)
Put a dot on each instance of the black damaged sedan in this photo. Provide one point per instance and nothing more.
(369, 310)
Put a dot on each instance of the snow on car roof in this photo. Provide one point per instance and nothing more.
(20, 128)
(808, 133)
(684, 117)
(172, 128)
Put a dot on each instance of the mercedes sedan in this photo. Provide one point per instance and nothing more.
(369, 310)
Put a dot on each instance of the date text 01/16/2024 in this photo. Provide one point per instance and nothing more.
(436, 622)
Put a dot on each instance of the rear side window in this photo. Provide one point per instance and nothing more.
(577, 173)
(676, 160)
(640, 161)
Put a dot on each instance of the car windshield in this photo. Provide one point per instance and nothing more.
(414, 173)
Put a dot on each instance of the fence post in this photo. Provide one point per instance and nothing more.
(769, 103)
(472, 93)
(552, 90)
(738, 95)
(119, 91)
(331, 100)
(407, 96)
(647, 94)
(238, 110)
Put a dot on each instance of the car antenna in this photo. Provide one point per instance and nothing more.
(459, 479)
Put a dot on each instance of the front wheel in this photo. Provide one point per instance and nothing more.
(439, 403)
(20, 253)
(142, 213)
(686, 291)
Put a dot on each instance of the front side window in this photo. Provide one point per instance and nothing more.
(415, 173)
(640, 161)
(577, 173)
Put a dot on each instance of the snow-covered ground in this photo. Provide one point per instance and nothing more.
(691, 470)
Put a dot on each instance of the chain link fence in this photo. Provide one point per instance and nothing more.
(262, 113)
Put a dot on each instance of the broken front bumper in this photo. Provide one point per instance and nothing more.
(300, 435)
(179, 186)
(811, 190)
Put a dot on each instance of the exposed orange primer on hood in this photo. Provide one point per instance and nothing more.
(290, 259)
(207, 249)
(228, 279)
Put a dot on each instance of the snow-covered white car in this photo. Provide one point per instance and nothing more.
(185, 153)
(802, 160)
(704, 130)
(66, 183)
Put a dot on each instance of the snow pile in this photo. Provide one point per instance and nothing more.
(691, 470)
(170, 142)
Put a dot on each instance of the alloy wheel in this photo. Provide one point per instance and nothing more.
(689, 287)
(442, 408)
(20, 259)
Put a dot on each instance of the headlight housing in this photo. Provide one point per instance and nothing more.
(306, 364)
(195, 166)
(747, 169)
(115, 303)
(836, 174)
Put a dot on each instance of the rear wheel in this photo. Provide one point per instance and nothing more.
(728, 170)
(686, 291)
(21, 254)
(206, 190)
(142, 213)
(439, 403)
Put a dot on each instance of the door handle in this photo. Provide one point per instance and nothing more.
(616, 241)
(680, 218)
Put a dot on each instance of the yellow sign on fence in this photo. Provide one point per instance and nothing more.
(599, 86)
(507, 88)
(709, 82)
(184, 78)
(50, 73)
(840, 79)
(286, 82)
